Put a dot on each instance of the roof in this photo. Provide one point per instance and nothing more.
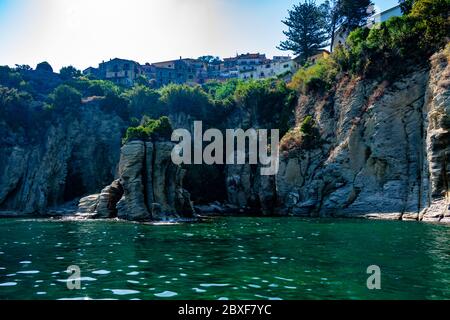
(247, 56)
(119, 60)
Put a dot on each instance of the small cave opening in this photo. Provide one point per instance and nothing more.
(74, 187)
(205, 183)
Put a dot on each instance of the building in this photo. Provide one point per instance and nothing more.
(120, 71)
(270, 69)
(321, 53)
(193, 71)
(188, 71)
(91, 71)
(341, 34)
(384, 16)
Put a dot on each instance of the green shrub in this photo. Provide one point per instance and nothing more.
(183, 98)
(65, 98)
(305, 136)
(307, 126)
(159, 129)
(10, 78)
(270, 102)
(317, 78)
(15, 107)
(390, 48)
(101, 88)
(144, 101)
(69, 72)
(432, 23)
(115, 103)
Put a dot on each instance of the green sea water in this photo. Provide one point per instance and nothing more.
(228, 258)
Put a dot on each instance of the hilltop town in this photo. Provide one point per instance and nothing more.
(209, 68)
(198, 71)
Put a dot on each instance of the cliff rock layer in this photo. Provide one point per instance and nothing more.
(149, 187)
(74, 156)
(383, 150)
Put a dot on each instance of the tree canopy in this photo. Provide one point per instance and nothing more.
(307, 29)
(44, 66)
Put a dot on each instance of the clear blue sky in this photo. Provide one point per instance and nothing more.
(85, 32)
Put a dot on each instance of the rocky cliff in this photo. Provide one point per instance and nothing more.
(74, 156)
(383, 150)
(149, 187)
(380, 149)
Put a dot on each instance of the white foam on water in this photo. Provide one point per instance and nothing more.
(101, 272)
(29, 272)
(8, 284)
(214, 285)
(166, 294)
(122, 292)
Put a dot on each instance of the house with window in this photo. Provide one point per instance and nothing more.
(180, 71)
(319, 54)
(270, 69)
(120, 71)
(234, 66)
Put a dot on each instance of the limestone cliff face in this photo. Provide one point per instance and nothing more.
(149, 187)
(383, 151)
(74, 156)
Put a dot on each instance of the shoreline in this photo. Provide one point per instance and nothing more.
(74, 217)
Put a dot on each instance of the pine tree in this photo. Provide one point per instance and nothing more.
(307, 30)
(334, 17)
(355, 13)
(348, 14)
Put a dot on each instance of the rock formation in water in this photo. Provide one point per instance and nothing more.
(149, 187)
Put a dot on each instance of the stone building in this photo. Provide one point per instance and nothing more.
(120, 71)
(181, 71)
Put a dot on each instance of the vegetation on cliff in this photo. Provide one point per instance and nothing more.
(150, 129)
(386, 51)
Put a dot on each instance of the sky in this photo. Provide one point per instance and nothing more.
(84, 33)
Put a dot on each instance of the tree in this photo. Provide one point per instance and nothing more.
(348, 14)
(209, 59)
(406, 6)
(44, 66)
(144, 101)
(334, 17)
(69, 72)
(66, 98)
(23, 67)
(355, 13)
(433, 23)
(14, 107)
(307, 30)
